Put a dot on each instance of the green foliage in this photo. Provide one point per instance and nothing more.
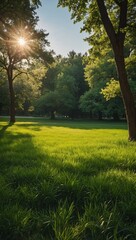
(49, 80)
(27, 87)
(111, 90)
(18, 8)
(98, 74)
(47, 103)
(4, 98)
(61, 219)
(55, 186)
(100, 70)
(65, 77)
(71, 71)
(92, 102)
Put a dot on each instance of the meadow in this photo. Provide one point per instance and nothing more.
(67, 180)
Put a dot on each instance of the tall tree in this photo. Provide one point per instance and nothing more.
(27, 87)
(20, 41)
(118, 19)
(65, 77)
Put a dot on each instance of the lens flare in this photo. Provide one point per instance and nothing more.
(21, 41)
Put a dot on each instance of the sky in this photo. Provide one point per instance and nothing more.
(64, 35)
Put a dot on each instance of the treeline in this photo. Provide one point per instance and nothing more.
(72, 87)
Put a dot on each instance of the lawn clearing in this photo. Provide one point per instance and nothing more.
(67, 180)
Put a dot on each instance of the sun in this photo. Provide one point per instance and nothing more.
(21, 41)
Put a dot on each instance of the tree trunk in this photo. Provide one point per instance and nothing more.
(117, 40)
(127, 95)
(12, 95)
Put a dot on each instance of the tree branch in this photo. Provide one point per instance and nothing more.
(18, 74)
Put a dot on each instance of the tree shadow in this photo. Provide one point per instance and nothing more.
(4, 128)
(85, 125)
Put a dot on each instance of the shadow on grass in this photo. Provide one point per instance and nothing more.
(19, 153)
(23, 163)
(35, 183)
(4, 128)
(85, 125)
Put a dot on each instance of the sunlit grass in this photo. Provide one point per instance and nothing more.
(67, 180)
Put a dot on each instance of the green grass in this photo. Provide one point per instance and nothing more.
(67, 180)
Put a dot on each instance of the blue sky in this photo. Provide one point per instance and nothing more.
(64, 36)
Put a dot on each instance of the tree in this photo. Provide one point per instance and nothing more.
(47, 103)
(66, 77)
(118, 19)
(71, 84)
(27, 87)
(99, 74)
(91, 102)
(66, 88)
(20, 42)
